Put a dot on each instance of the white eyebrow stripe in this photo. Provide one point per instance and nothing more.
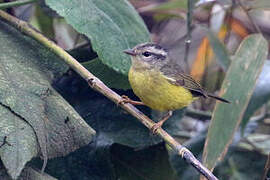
(157, 51)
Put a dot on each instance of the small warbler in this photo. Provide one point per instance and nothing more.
(160, 83)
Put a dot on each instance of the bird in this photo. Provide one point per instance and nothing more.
(160, 83)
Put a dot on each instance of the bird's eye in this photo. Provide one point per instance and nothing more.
(146, 54)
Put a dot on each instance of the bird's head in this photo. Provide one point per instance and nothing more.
(148, 55)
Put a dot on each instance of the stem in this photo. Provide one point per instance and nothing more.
(189, 29)
(99, 86)
(15, 3)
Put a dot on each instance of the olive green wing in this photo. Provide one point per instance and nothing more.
(175, 75)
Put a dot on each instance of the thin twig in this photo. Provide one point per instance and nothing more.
(189, 29)
(99, 86)
(15, 3)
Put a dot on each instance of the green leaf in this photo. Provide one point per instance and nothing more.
(21, 143)
(107, 75)
(220, 51)
(112, 26)
(27, 99)
(260, 96)
(237, 87)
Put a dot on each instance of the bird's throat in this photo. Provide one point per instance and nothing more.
(140, 65)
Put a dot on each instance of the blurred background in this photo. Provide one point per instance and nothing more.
(190, 30)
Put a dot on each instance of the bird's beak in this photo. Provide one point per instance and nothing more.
(129, 52)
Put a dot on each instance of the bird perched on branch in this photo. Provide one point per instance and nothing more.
(160, 83)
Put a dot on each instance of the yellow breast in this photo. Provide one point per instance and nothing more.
(155, 91)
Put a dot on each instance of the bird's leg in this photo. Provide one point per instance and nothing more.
(160, 123)
(125, 99)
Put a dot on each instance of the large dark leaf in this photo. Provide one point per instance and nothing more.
(100, 160)
(34, 117)
(111, 25)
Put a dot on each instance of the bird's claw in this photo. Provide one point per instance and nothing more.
(155, 127)
(182, 151)
(125, 99)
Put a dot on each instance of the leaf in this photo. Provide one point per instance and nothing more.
(149, 163)
(101, 161)
(220, 51)
(90, 162)
(21, 143)
(237, 87)
(107, 75)
(112, 27)
(26, 71)
(260, 96)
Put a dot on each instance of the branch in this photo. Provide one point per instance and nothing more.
(15, 3)
(99, 86)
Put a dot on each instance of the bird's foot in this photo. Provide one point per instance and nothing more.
(182, 151)
(156, 127)
(125, 99)
(160, 123)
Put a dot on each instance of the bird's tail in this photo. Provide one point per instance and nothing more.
(218, 98)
